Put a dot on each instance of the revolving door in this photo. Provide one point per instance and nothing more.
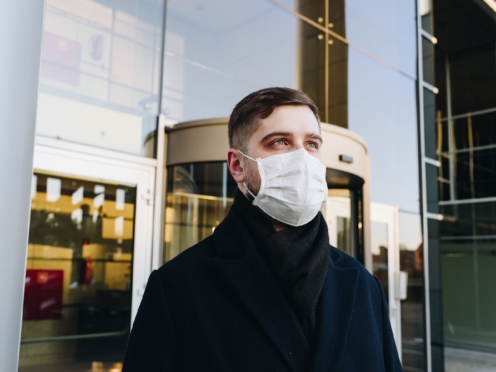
(200, 189)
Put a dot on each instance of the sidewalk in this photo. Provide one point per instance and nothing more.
(462, 360)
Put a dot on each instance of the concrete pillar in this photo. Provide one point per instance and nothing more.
(21, 23)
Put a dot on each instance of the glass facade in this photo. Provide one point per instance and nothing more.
(109, 68)
(461, 244)
(77, 300)
(100, 72)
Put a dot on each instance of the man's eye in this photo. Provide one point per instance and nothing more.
(313, 145)
(279, 142)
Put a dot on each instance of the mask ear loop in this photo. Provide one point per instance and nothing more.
(244, 183)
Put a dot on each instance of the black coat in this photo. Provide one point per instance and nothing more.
(216, 307)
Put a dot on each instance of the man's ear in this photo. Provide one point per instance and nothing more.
(235, 165)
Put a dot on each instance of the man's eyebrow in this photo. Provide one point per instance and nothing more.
(315, 136)
(274, 134)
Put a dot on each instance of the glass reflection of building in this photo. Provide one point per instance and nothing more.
(110, 69)
(459, 69)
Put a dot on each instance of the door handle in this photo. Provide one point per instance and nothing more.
(401, 279)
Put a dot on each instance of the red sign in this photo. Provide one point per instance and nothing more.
(43, 294)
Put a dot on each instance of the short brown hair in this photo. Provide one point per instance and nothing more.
(246, 116)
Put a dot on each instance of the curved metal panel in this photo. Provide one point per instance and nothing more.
(206, 141)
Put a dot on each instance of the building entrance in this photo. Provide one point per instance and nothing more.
(88, 258)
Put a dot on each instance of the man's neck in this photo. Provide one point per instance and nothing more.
(277, 225)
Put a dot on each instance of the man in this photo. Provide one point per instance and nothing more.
(266, 292)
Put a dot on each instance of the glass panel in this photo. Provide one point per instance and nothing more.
(428, 61)
(337, 212)
(476, 174)
(337, 88)
(383, 110)
(426, 15)
(472, 75)
(475, 131)
(432, 188)
(473, 79)
(380, 268)
(218, 52)
(77, 301)
(344, 234)
(100, 71)
(469, 300)
(387, 29)
(199, 196)
(430, 125)
(412, 308)
(440, 79)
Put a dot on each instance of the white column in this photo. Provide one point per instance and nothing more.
(21, 24)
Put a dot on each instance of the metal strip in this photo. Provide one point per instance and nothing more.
(476, 148)
(75, 337)
(468, 201)
(432, 88)
(420, 85)
(433, 162)
(428, 36)
(434, 216)
(159, 202)
(472, 114)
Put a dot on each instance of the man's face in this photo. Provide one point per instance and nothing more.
(288, 128)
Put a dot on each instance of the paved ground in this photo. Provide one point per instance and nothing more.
(461, 360)
(74, 367)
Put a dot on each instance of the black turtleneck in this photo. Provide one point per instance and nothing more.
(297, 256)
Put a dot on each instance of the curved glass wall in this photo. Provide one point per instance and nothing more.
(199, 196)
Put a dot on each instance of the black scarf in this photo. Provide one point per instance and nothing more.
(297, 256)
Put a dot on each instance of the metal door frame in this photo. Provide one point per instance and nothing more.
(389, 215)
(81, 161)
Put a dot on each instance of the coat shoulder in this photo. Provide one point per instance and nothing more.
(341, 259)
(185, 263)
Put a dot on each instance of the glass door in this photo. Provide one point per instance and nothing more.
(339, 213)
(385, 261)
(88, 258)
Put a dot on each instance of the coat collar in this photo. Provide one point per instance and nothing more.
(243, 269)
(239, 263)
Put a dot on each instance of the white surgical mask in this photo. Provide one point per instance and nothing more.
(293, 188)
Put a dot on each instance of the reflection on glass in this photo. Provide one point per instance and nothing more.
(472, 159)
(379, 232)
(412, 308)
(428, 61)
(430, 125)
(100, 70)
(199, 196)
(472, 74)
(468, 265)
(387, 29)
(218, 52)
(382, 109)
(322, 57)
(77, 301)
(426, 15)
(337, 212)
(432, 189)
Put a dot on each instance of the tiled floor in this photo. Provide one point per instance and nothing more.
(74, 367)
(462, 360)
